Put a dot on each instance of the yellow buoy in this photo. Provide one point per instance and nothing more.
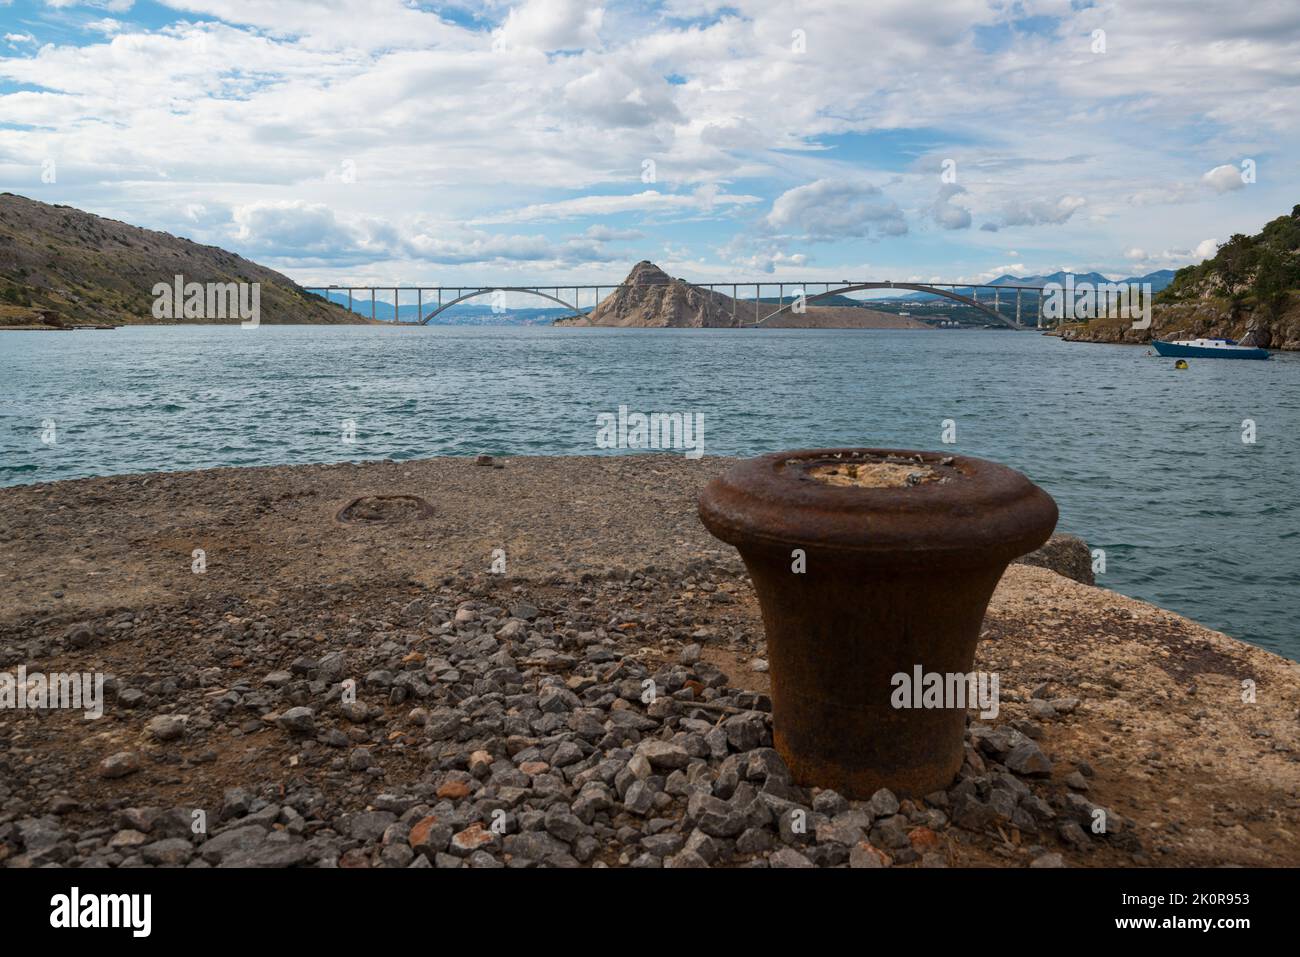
(1180, 364)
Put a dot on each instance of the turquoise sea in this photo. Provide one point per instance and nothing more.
(1147, 463)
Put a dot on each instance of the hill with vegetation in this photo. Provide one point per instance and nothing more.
(1249, 291)
(60, 265)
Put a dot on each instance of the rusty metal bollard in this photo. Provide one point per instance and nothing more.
(902, 551)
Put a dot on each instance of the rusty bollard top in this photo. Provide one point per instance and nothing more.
(893, 507)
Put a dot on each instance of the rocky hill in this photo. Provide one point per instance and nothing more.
(76, 267)
(1247, 291)
(651, 299)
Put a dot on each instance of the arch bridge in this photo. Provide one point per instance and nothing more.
(431, 301)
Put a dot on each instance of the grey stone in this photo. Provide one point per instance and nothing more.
(788, 857)
(663, 845)
(883, 803)
(640, 798)
(370, 825)
(713, 816)
(747, 731)
(892, 831)
(1027, 759)
(299, 720)
(663, 755)
(243, 838)
(169, 852)
(830, 802)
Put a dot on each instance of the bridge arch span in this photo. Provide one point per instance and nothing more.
(916, 287)
(424, 320)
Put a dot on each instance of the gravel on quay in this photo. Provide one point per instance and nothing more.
(548, 662)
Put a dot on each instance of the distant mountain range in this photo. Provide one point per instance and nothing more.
(461, 314)
(1158, 280)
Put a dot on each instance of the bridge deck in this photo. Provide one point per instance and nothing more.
(442, 297)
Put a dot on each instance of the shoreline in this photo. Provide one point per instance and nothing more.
(520, 325)
(221, 686)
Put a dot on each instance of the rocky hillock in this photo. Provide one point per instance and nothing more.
(651, 299)
(60, 266)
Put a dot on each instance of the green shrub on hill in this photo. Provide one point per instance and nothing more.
(1257, 271)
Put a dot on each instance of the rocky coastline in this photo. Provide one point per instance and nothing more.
(1209, 318)
(440, 663)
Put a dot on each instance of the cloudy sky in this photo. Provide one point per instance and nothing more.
(409, 142)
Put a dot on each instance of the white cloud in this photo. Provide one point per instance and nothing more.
(312, 233)
(552, 25)
(107, 26)
(947, 213)
(603, 234)
(649, 200)
(834, 209)
(1039, 212)
(292, 229)
(240, 105)
(1223, 179)
(116, 6)
(1150, 261)
(613, 96)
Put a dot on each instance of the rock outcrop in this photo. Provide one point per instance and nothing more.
(1186, 320)
(1066, 555)
(652, 299)
(1248, 291)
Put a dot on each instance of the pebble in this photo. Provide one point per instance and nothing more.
(119, 765)
(165, 727)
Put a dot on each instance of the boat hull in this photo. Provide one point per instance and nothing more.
(1176, 351)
